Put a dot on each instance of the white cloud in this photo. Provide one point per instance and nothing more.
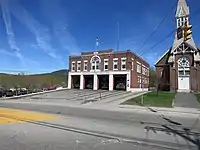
(40, 32)
(60, 26)
(9, 30)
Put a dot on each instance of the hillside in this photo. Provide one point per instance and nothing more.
(34, 81)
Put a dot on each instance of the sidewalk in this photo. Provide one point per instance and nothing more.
(181, 110)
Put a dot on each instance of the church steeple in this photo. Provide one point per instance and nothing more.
(182, 13)
(182, 18)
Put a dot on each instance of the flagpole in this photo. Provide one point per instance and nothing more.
(117, 36)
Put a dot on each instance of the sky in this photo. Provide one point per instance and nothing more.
(38, 36)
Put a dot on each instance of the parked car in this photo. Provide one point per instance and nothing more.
(52, 88)
(10, 93)
(1, 93)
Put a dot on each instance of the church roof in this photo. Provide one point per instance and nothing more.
(168, 51)
(182, 9)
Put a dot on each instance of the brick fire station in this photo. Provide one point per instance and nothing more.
(108, 70)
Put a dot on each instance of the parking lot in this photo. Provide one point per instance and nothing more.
(75, 97)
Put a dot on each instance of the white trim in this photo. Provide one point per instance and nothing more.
(138, 89)
(115, 59)
(73, 63)
(132, 58)
(123, 58)
(100, 73)
(85, 60)
(95, 56)
(78, 62)
(105, 64)
(85, 65)
(132, 65)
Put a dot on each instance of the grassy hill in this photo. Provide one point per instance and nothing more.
(34, 81)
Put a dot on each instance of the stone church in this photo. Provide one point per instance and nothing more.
(179, 67)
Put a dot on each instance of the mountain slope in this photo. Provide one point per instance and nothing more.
(34, 81)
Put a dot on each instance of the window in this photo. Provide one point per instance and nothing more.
(73, 66)
(95, 61)
(123, 64)
(143, 70)
(85, 65)
(138, 67)
(79, 66)
(147, 72)
(105, 64)
(97, 65)
(132, 64)
(115, 64)
(139, 79)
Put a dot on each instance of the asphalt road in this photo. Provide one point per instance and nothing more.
(24, 136)
(152, 127)
(117, 116)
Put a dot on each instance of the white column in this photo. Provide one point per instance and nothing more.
(69, 81)
(111, 82)
(81, 82)
(128, 82)
(95, 82)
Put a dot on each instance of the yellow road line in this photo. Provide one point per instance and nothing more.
(15, 115)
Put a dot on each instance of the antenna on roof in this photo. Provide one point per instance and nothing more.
(117, 36)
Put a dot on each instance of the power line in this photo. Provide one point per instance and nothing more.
(172, 32)
(155, 30)
(161, 41)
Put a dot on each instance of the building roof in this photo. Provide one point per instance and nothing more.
(182, 9)
(109, 51)
(163, 56)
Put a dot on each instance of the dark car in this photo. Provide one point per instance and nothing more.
(1, 93)
(4, 92)
(23, 92)
(10, 93)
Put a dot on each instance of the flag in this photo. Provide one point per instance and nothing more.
(97, 41)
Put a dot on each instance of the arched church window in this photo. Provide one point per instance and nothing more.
(95, 61)
(183, 67)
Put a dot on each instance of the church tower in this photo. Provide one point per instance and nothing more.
(179, 67)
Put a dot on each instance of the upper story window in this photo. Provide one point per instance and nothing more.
(95, 61)
(123, 64)
(138, 67)
(105, 64)
(73, 66)
(184, 66)
(85, 65)
(143, 70)
(132, 64)
(79, 66)
(115, 64)
(147, 73)
(183, 63)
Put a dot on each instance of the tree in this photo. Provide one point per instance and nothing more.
(152, 78)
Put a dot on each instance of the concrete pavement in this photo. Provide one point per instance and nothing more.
(186, 100)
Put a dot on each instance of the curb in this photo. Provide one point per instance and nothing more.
(160, 110)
